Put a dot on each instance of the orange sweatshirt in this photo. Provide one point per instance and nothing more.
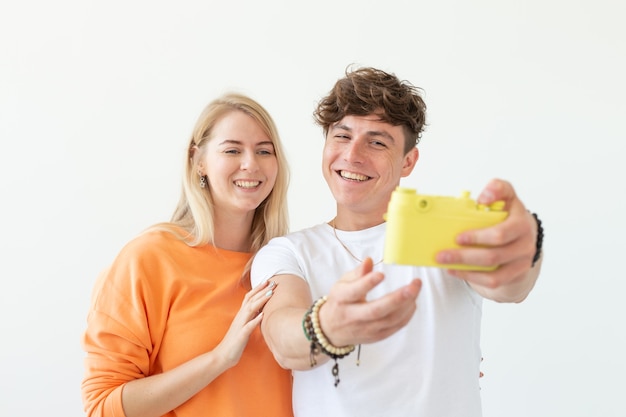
(162, 303)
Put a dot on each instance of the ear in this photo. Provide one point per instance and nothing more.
(192, 154)
(192, 150)
(409, 161)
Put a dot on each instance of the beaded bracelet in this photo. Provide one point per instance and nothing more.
(539, 243)
(319, 341)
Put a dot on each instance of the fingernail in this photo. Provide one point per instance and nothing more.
(486, 195)
(464, 239)
(443, 257)
(269, 293)
(272, 284)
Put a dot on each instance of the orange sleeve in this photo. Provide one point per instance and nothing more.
(117, 340)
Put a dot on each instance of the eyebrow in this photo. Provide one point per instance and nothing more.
(238, 142)
(382, 133)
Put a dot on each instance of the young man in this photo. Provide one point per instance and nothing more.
(413, 355)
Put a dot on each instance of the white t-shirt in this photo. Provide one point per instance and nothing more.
(429, 368)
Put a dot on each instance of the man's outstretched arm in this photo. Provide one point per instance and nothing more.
(346, 318)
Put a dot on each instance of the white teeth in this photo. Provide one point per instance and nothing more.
(353, 176)
(247, 184)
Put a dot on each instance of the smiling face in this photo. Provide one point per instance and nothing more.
(240, 164)
(363, 161)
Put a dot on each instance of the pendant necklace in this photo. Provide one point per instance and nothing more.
(332, 223)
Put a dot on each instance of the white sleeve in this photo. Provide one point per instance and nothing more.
(275, 258)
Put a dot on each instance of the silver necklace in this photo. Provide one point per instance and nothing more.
(332, 223)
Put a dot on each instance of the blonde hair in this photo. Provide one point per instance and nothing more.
(195, 213)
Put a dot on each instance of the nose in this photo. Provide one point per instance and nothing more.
(249, 162)
(354, 152)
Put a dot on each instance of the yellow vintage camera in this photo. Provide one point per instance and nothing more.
(419, 226)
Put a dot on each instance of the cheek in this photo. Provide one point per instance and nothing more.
(327, 160)
(218, 171)
(271, 170)
(214, 168)
(390, 168)
(328, 156)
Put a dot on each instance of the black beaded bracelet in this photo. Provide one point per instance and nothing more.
(539, 243)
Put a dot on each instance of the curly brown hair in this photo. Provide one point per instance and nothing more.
(368, 90)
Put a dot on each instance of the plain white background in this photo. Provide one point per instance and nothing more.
(97, 101)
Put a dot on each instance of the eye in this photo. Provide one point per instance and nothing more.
(265, 152)
(378, 144)
(232, 151)
(342, 137)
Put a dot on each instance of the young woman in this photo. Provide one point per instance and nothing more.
(173, 328)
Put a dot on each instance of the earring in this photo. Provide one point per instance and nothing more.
(202, 179)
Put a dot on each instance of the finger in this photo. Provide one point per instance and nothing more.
(521, 248)
(389, 304)
(497, 235)
(479, 257)
(500, 190)
(496, 190)
(259, 300)
(363, 268)
(363, 321)
(265, 286)
(393, 323)
(355, 291)
(252, 324)
(517, 225)
(239, 334)
(353, 286)
(503, 275)
(247, 326)
(382, 317)
(253, 303)
(253, 306)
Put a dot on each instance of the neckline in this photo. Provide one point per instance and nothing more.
(332, 224)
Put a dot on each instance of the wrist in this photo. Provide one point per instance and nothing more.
(538, 241)
(326, 327)
(319, 342)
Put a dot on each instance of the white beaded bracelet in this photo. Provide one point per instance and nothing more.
(319, 341)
